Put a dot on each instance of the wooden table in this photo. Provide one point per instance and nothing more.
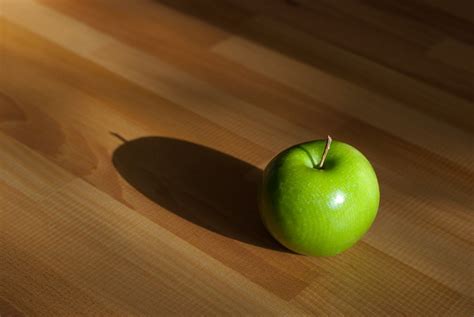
(133, 134)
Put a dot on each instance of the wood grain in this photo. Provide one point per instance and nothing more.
(133, 135)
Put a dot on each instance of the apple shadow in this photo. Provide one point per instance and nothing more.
(204, 186)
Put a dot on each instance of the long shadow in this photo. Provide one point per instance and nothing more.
(204, 186)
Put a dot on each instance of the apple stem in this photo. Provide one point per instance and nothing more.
(326, 150)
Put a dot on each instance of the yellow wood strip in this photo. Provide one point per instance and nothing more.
(35, 183)
(379, 111)
(157, 22)
(369, 288)
(27, 12)
(456, 245)
(34, 286)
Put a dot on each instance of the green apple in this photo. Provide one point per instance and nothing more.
(319, 198)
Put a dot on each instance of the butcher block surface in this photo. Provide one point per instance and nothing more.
(133, 135)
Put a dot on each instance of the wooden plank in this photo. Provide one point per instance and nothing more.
(155, 22)
(361, 71)
(461, 9)
(386, 275)
(40, 182)
(454, 53)
(456, 20)
(377, 110)
(361, 38)
(403, 26)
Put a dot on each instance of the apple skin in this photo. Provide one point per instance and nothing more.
(319, 212)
